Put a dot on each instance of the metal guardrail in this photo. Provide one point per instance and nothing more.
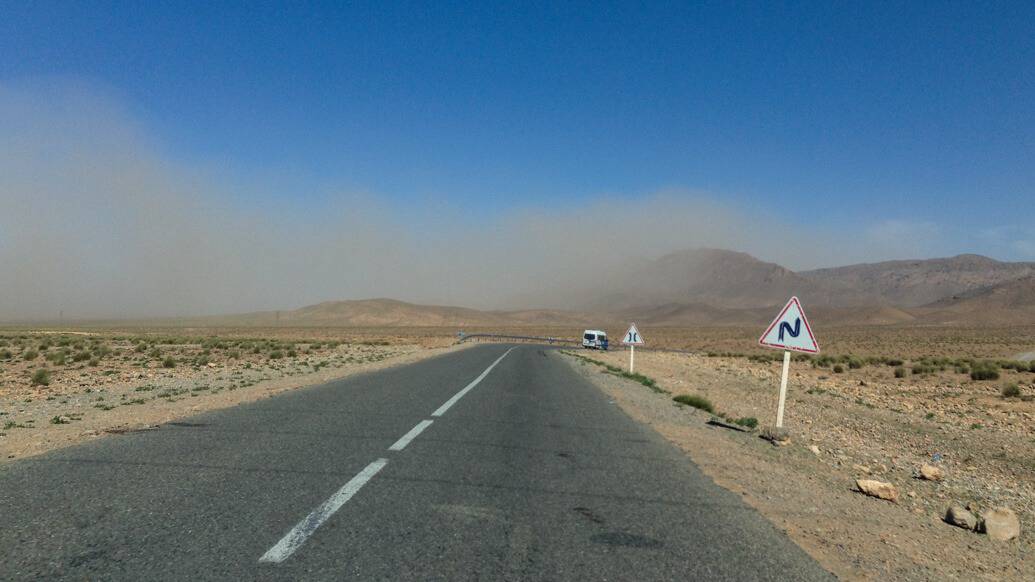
(554, 341)
(520, 338)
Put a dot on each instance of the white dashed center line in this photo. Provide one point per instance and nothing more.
(305, 528)
(442, 409)
(405, 440)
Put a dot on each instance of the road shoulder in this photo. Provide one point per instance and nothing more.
(853, 536)
(33, 430)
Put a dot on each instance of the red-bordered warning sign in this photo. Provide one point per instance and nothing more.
(790, 331)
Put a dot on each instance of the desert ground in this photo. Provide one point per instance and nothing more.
(879, 407)
(61, 386)
(878, 404)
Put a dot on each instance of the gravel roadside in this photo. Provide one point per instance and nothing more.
(812, 496)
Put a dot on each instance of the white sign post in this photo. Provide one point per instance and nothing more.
(632, 339)
(790, 331)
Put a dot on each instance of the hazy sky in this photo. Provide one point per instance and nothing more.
(201, 159)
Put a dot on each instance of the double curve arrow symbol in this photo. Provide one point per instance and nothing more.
(786, 327)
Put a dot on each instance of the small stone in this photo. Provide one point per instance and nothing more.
(877, 489)
(958, 516)
(930, 473)
(814, 449)
(780, 437)
(1000, 524)
(861, 469)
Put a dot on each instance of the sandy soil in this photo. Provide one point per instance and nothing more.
(866, 424)
(106, 384)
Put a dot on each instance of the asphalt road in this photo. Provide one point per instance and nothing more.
(531, 474)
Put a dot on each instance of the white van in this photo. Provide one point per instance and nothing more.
(594, 339)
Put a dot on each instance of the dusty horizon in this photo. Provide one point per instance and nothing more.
(99, 221)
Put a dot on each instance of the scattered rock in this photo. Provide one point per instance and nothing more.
(1000, 524)
(780, 437)
(814, 449)
(930, 473)
(861, 469)
(878, 489)
(958, 516)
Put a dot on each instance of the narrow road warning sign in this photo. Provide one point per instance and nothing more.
(633, 337)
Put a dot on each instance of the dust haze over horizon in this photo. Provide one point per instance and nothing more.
(156, 161)
(97, 223)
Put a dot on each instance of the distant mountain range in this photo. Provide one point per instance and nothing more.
(720, 287)
(915, 283)
(737, 280)
(394, 313)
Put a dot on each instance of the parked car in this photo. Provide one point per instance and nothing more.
(594, 339)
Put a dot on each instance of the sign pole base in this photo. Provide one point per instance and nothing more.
(783, 389)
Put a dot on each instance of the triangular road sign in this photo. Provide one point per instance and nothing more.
(790, 331)
(633, 337)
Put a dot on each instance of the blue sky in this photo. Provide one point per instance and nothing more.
(857, 118)
(835, 108)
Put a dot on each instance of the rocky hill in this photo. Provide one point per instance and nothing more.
(913, 283)
(1004, 303)
(720, 287)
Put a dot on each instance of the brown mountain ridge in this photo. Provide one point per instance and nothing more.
(720, 287)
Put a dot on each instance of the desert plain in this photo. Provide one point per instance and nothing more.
(879, 403)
